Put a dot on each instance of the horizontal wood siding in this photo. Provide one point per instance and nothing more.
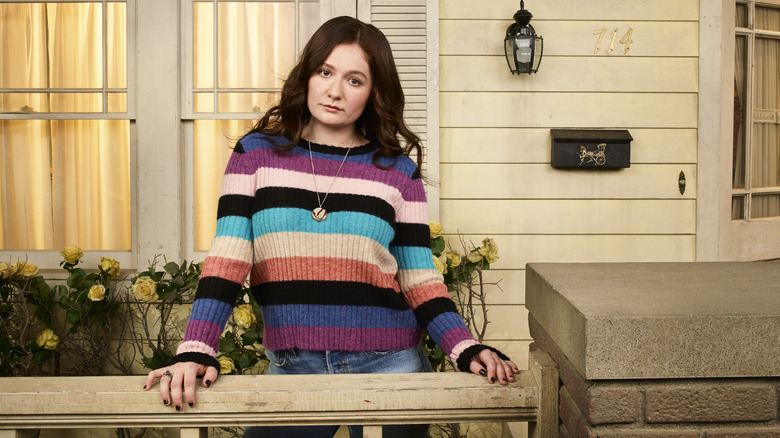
(495, 173)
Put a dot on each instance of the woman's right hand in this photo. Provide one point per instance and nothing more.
(180, 378)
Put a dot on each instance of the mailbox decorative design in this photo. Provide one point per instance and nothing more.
(591, 148)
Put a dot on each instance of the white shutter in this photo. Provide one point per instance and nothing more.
(412, 28)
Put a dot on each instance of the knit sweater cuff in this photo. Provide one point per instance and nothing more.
(464, 360)
(199, 358)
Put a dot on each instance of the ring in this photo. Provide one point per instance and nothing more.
(167, 374)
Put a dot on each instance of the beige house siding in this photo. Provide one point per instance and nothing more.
(496, 179)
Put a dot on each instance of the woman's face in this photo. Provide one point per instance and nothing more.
(339, 89)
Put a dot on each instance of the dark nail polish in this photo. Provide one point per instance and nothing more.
(178, 408)
(191, 404)
(490, 380)
(208, 383)
(483, 373)
(144, 386)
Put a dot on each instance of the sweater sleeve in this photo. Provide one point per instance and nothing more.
(227, 265)
(422, 285)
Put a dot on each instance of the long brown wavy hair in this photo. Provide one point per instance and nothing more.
(382, 119)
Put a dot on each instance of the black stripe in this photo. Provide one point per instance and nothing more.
(335, 293)
(234, 205)
(429, 310)
(284, 197)
(218, 288)
(412, 235)
(239, 149)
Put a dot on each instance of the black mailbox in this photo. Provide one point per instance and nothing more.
(591, 148)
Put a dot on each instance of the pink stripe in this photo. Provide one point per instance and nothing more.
(195, 347)
(323, 269)
(460, 348)
(424, 293)
(229, 269)
(343, 184)
(454, 337)
(340, 338)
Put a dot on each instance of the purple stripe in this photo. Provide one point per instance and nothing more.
(203, 331)
(339, 338)
(452, 338)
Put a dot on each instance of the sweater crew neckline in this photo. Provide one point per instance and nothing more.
(363, 149)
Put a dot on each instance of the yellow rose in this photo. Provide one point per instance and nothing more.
(244, 316)
(97, 292)
(71, 254)
(26, 269)
(442, 268)
(454, 259)
(6, 270)
(226, 365)
(145, 289)
(109, 266)
(474, 256)
(48, 340)
(489, 250)
(436, 229)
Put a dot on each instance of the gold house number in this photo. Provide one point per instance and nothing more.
(625, 39)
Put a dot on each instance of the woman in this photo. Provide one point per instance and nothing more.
(322, 204)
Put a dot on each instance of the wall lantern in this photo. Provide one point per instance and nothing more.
(523, 48)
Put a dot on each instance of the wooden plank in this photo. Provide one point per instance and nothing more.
(373, 399)
(572, 110)
(659, 10)
(572, 216)
(540, 181)
(573, 38)
(518, 250)
(532, 145)
(573, 74)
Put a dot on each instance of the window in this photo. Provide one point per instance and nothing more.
(756, 141)
(241, 53)
(64, 125)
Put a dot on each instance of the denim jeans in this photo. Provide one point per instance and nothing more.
(411, 360)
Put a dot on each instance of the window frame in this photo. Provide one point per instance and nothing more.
(50, 259)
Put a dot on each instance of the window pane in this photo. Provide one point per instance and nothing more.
(742, 16)
(204, 44)
(117, 102)
(740, 113)
(765, 206)
(214, 141)
(256, 44)
(767, 18)
(116, 37)
(51, 102)
(765, 164)
(247, 102)
(63, 182)
(738, 208)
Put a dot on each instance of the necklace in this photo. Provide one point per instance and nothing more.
(319, 214)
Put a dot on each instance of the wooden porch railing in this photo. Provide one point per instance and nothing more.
(368, 399)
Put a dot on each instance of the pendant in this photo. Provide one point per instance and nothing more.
(319, 214)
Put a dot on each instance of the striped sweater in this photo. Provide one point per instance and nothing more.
(363, 279)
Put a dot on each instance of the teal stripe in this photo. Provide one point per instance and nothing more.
(234, 226)
(276, 220)
(413, 257)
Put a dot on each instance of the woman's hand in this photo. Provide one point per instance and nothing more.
(487, 363)
(180, 377)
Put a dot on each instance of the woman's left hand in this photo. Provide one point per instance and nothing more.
(488, 364)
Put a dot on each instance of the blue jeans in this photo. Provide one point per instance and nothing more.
(411, 360)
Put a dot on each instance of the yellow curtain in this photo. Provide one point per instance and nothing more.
(255, 49)
(62, 181)
(765, 167)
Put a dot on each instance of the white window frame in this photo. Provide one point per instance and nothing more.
(50, 259)
(718, 238)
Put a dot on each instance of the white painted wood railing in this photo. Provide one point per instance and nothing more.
(368, 399)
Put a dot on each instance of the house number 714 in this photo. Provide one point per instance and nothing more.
(625, 39)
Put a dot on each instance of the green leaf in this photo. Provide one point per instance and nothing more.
(171, 268)
(41, 356)
(73, 316)
(249, 338)
(437, 245)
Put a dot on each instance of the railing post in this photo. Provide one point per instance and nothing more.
(545, 372)
(194, 432)
(372, 431)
